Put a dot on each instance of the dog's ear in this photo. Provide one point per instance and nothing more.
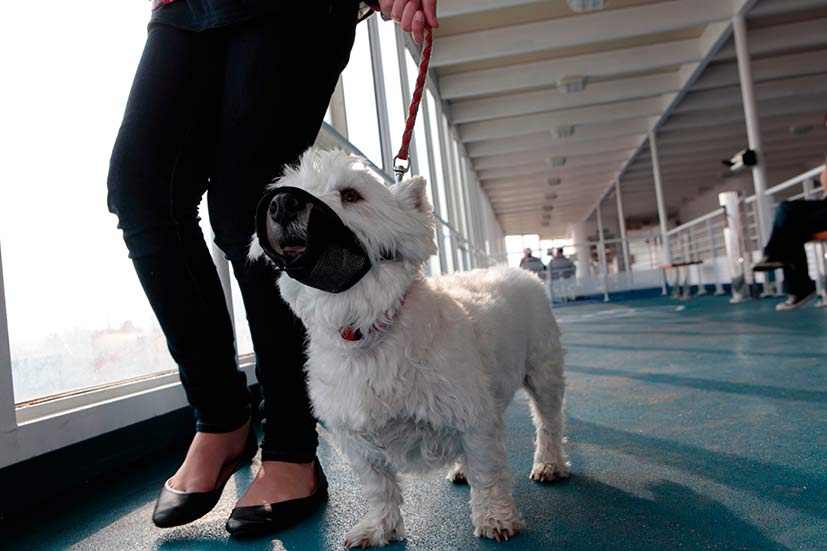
(413, 194)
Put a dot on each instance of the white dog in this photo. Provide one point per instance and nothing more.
(436, 362)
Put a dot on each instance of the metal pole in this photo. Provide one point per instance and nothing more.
(381, 96)
(759, 172)
(664, 221)
(719, 287)
(601, 253)
(622, 223)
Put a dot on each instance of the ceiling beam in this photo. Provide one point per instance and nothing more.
(553, 99)
(804, 34)
(563, 149)
(578, 30)
(529, 157)
(547, 73)
(723, 74)
(731, 95)
(455, 8)
(776, 7)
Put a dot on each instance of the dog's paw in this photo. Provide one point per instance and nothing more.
(367, 534)
(499, 530)
(457, 475)
(550, 472)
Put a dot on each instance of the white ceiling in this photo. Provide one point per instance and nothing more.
(665, 64)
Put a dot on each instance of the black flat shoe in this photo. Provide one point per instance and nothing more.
(175, 508)
(260, 520)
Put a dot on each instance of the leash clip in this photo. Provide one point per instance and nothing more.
(399, 170)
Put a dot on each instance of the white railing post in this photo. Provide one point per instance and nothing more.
(8, 420)
(699, 267)
(622, 223)
(735, 248)
(662, 215)
(601, 254)
(719, 287)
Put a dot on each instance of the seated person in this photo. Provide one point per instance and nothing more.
(560, 266)
(533, 264)
(795, 223)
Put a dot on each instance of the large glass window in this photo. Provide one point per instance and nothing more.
(360, 99)
(77, 314)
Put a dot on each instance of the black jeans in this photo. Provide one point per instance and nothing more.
(222, 111)
(795, 222)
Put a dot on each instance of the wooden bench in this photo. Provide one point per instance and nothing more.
(681, 291)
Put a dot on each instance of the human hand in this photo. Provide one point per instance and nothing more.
(414, 16)
(824, 178)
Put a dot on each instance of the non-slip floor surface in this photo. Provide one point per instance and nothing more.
(692, 425)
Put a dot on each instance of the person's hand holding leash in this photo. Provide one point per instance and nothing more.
(414, 16)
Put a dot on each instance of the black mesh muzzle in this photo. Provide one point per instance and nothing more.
(333, 260)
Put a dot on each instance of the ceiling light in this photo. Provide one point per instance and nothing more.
(556, 161)
(554, 181)
(586, 5)
(801, 130)
(563, 132)
(572, 85)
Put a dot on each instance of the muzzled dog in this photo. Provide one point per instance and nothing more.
(408, 372)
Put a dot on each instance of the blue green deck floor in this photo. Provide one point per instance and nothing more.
(691, 425)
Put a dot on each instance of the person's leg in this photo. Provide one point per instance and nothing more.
(795, 222)
(156, 179)
(280, 74)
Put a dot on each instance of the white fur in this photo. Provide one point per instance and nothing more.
(429, 389)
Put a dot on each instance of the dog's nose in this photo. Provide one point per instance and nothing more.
(285, 206)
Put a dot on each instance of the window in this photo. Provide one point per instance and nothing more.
(360, 99)
(77, 314)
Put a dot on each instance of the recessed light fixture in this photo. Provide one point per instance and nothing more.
(801, 130)
(563, 132)
(586, 5)
(554, 182)
(548, 208)
(557, 161)
(572, 84)
(551, 196)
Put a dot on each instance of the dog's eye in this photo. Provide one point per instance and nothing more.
(350, 195)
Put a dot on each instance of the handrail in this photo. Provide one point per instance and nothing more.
(796, 180)
(696, 221)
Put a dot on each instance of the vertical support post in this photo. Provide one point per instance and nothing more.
(759, 171)
(381, 96)
(581, 248)
(621, 220)
(601, 253)
(8, 420)
(432, 179)
(662, 215)
(735, 248)
(713, 246)
(698, 256)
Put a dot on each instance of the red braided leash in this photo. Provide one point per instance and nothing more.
(398, 169)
